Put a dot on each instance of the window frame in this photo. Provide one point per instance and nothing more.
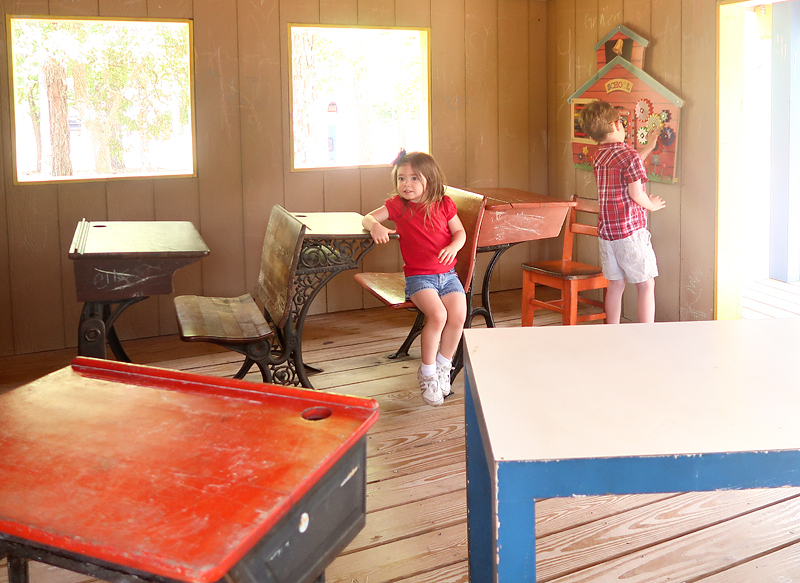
(425, 37)
(191, 124)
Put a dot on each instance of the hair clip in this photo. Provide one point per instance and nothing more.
(399, 157)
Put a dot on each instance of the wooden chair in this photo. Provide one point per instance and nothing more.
(571, 277)
(390, 287)
(238, 323)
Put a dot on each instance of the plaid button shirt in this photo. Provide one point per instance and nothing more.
(615, 166)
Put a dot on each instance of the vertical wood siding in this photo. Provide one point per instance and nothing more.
(489, 124)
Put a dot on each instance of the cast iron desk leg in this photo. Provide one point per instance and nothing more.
(485, 309)
(97, 326)
(17, 569)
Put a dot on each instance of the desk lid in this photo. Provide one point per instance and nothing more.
(136, 239)
(172, 473)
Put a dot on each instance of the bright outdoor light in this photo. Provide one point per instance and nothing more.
(358, 96)
(99, 98)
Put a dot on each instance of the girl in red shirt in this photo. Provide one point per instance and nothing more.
(430, 236)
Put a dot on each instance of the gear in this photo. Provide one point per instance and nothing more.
(665, 115)
(654, 123)
(643, 109)
(641, 135)
(667, 137)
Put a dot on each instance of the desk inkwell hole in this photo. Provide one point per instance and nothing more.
(316, 413)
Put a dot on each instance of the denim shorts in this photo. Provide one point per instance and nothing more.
(444, 283)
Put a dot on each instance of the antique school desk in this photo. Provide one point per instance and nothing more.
(136, 474)
(124, 262)
(636, 408)
(334, 242)
(511, 216)
(514, 216)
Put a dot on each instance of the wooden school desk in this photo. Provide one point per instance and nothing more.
(514, 216)
(136, 474)
(124, 262)
(634, 408)
(334, 242)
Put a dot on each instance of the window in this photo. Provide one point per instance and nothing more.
(99, 98)
(358, 95)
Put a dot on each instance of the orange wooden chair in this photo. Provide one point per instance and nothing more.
(571, 277)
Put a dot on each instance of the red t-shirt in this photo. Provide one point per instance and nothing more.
(422, 238)
(615, 166)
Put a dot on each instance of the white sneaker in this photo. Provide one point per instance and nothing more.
(443, 375)
(431, 393)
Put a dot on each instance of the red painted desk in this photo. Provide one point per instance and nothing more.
(131, 473)
(514, 216)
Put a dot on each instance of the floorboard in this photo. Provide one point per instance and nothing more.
(416, 528)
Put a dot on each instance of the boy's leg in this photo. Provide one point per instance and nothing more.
(613, 303)
(646, 301)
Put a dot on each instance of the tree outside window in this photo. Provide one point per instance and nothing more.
(98, 98)
(358, 94)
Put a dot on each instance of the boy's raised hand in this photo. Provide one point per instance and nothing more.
(657, 202)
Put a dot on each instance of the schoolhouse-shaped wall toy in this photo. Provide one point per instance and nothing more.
(643, 103)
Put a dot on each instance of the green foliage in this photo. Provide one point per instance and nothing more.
(125, 78)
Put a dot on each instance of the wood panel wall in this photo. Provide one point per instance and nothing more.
(489, 122)
(681, 56)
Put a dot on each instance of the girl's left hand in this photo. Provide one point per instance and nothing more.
(447, 255)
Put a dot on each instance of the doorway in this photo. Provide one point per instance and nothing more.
(746, 232)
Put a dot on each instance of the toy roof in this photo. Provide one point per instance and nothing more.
(637, 72)
(624, 30)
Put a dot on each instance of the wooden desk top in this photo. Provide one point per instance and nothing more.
(333, 225)
(171, 473)
(600, 391)
(505, 198)
(125, 239)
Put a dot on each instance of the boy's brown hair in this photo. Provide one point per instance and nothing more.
(596, 119)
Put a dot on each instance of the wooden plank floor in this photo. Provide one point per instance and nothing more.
(416, 524)
(770, 298)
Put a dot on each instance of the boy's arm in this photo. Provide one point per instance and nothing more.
(637, 193)
(652, 140)
(448, 254)
(372, 223)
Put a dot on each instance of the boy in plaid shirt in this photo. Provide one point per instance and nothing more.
(625, 249)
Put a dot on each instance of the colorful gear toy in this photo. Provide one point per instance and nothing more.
(665, 115)
(667, 137)
(654, 123)
(641, 135)
(643, 109)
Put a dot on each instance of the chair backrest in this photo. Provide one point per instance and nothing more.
(583, 205)
(279, 258)
(470, 207)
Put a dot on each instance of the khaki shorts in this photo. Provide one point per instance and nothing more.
(631, 258)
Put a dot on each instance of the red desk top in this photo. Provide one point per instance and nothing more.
(514, 216)
(174, 474)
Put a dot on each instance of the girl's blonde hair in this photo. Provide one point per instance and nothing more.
(423, 165)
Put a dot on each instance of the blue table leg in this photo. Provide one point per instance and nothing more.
(479, 499)
(516, 517)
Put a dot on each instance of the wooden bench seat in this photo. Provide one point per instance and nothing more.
(239, 324)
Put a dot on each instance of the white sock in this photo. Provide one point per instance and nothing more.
(442, 360)
(427, 370)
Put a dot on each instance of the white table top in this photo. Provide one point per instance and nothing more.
(598, 391)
